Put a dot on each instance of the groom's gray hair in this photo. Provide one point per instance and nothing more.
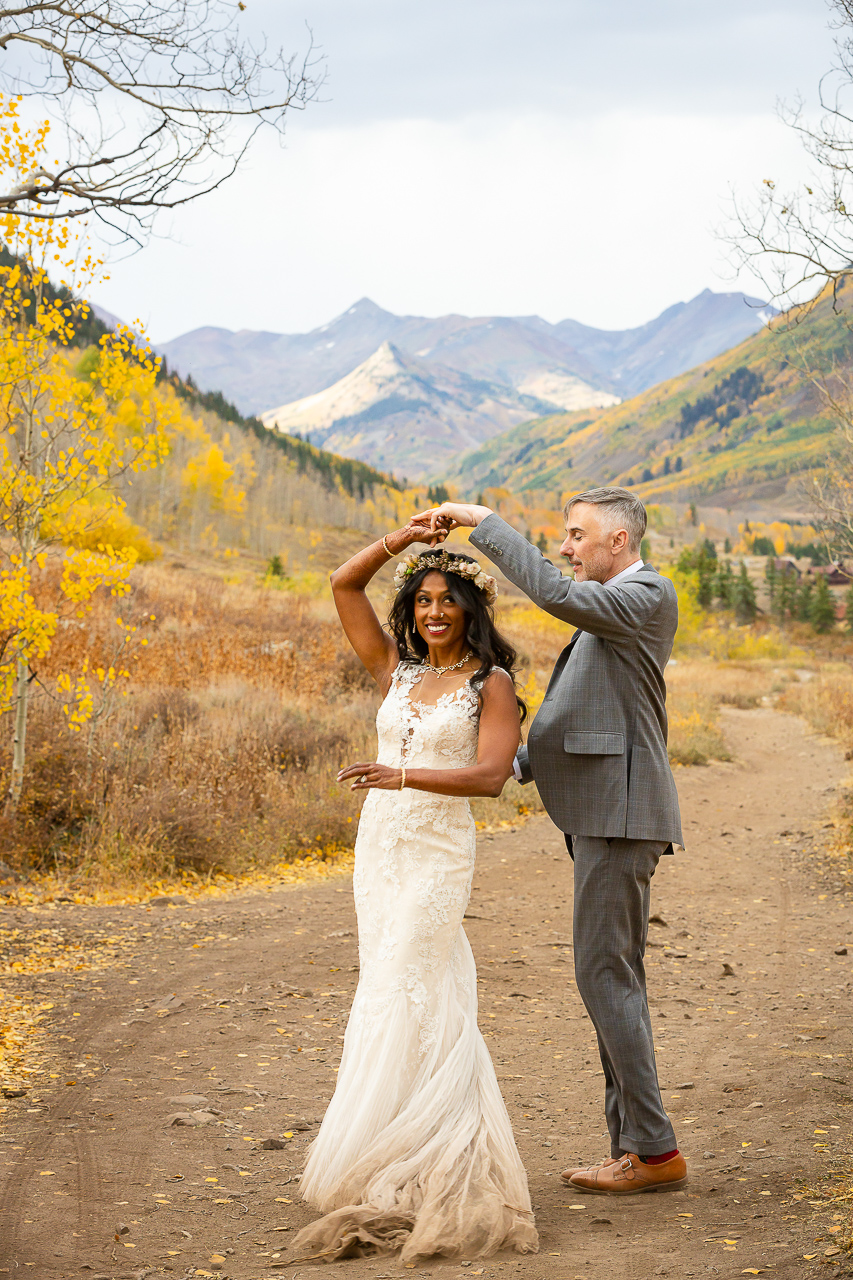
(621, 509)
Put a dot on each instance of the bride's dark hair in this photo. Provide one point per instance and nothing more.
(487, 643)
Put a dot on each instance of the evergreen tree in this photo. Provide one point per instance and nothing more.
(542, 544)
(724, 585)
(727, 546)
(822, 609)
(645, 549)
(848, 607)
(803, 603)
(705, 573)
(745, 604)
(771, 577)
(694, 518)
(679, 463)
(786, 593)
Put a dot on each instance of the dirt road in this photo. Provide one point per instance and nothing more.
(232, 1012)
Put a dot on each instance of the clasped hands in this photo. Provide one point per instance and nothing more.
(449, 516)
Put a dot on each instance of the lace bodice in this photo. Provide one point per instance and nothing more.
(417, 845)
(438, 736)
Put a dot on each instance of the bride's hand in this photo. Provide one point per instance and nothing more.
(372, 775)
(418, 529)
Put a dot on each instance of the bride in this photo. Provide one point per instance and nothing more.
(416, 1152)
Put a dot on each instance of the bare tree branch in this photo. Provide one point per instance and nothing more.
(158, 102)
(800, 245)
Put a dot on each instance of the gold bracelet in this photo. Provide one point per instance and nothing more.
(402, 776)
(391, 554)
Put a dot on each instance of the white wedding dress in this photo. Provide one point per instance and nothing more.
(416, 1152)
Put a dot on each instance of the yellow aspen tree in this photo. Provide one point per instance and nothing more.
(68, 430)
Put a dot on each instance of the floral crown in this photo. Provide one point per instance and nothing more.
(446, 562)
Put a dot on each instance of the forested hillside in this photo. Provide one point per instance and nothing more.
(746, 425)
(225, 480)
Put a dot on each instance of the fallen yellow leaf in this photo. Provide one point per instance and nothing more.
(47, 1173)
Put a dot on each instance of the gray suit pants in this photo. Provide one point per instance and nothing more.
(611, 922)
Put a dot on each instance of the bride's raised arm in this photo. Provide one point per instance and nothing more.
(371, 642)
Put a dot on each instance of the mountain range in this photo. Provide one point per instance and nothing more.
(411, 417)
(257, 369)
(743, 429)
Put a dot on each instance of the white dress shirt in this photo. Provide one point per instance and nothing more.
(611, 582)
(623, 573)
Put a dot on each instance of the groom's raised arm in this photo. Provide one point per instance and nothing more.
(609, 612)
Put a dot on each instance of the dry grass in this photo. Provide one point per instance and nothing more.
(243, 704)
(245, 700)
(825, 699)
(694, 733)
(698, 687)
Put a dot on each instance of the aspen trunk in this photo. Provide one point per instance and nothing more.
(19, 742)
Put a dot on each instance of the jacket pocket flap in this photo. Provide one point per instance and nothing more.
(583, 742)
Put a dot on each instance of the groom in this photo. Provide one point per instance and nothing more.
(597, 752)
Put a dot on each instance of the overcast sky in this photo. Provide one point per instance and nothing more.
(559, 157)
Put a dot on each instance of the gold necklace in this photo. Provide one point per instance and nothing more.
(438, 672)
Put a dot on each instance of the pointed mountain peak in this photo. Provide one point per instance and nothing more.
(387, 355)
(366, 308)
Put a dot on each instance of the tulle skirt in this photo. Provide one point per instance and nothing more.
(415, 1153)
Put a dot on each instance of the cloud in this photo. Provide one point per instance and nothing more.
(561, 157)
(391, 58)
(607, 221)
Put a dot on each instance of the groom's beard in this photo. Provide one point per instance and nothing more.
(595, 568)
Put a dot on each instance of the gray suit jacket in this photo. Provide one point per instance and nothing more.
(597, 746)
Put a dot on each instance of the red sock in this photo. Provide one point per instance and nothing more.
(659, 1159)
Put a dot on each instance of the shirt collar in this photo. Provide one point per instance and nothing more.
(632, 568)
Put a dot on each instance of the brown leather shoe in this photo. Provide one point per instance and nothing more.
(629, 1176)
(568, 1174)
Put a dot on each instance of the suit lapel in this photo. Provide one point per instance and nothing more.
(562, 660)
